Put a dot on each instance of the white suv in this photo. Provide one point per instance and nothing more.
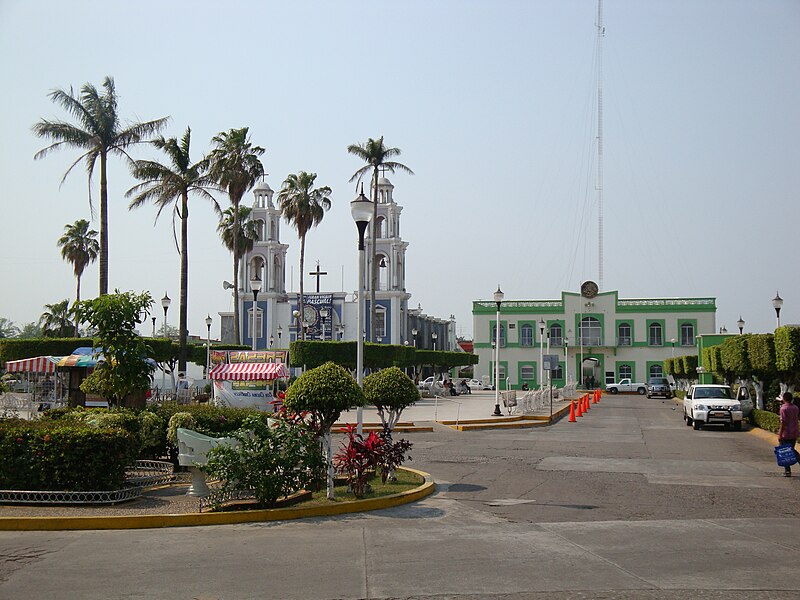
(712, 405)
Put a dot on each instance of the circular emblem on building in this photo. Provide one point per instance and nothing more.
(310, 314)
(589, 289)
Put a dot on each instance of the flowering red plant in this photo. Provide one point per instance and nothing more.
(358, 458)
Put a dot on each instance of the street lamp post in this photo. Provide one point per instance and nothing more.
(414, 336)
(541, 353)
(323, 314)
(434, 336)
(361, 210)
(154, 326)
(740, 324)
(255, 285)
(209, 320)
(777, 302)
(280, 332)
(498, 300)
(672, 341)
(165, 302)
(566, 360)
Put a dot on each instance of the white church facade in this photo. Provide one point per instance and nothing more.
(272, 312)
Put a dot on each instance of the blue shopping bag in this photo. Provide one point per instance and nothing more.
(786, 455)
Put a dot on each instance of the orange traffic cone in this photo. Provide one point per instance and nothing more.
(586, 404)
(579, 410)
(596, 396)
(572, 418)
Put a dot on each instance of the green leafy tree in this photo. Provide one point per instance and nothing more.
(56, 320)
(761, 352)
(99, 133)
(30, 330)
(170, 186)
(303, 206)
(234, 165)
(8, 329)
(378, 157)
(787, 357)
(125, 371)
(325, 392)
(391, 391)
(79, 246)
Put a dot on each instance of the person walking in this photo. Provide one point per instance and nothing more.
(788, 431)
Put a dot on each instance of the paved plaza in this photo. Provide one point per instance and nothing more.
(627, 502)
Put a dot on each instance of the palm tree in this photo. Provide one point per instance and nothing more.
(248, 230)
(376, 155)
(303, 206)
(56, 320)
(234, 165)
(170, 186)
(99, 133)
(79, 246)
(7, 328)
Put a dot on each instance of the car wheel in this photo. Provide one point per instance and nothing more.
(688, 419)
(696, 425)
(642, 391)
(613, 390)
(737, 426)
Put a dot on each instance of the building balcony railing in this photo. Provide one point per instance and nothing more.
(624, 341)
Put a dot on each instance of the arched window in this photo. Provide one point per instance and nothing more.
(656, 371)
(275, 280)
(383, 271)
(272, 234)
(625, 372)
(526, 335)
(380, 323)
(687, 334)
(656, 335)
(379, 224)
(589, 333)
(624, 337)
(556, 337)
(502, 335)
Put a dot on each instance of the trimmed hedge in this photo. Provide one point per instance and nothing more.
(765, 420)
(53, 455)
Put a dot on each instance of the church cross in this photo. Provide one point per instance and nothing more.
(318, 274)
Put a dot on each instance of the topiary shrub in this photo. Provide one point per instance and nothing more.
(391, 391)
(180, 420)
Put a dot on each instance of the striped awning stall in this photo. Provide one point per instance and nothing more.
(40, 364)
(249, 371)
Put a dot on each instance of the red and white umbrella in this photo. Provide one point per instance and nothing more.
(249, 371)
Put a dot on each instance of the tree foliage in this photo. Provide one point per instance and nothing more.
(125, 370)
(391, 391)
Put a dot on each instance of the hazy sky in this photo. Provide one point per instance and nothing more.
(493, 105)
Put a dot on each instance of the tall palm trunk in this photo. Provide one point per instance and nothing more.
(371, 256)
(302, 268)
(103, 226)
(77, 300)
(236, 329)
(184, 280)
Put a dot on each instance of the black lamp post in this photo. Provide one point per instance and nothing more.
(255, 285)
(777, 302)
(209, 320)
(165, 302)
(361, 211)
(498, 300)
(740, 324)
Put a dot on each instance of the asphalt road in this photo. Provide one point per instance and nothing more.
(626, 503)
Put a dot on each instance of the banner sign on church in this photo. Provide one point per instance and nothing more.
(257, 356)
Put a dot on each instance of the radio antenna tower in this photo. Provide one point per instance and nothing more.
(601, 31)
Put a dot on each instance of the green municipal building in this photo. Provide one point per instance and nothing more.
(593, 337)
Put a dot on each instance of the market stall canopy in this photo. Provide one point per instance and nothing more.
(249, 371)
(40, 364)
(80, 360)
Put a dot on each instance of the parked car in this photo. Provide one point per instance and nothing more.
(707, 404)
(659, 386)
(626, 385)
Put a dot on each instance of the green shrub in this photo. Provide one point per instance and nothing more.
(180, 420)
(56, 455)
(765, 420)
(275, 458)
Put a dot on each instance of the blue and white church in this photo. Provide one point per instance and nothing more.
(271, 314)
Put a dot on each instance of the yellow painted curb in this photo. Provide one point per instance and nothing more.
(510, 422)
(224, 518)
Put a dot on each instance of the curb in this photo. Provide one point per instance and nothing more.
(224, 518)
(511, 422)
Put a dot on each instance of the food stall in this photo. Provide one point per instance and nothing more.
(246, 385)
